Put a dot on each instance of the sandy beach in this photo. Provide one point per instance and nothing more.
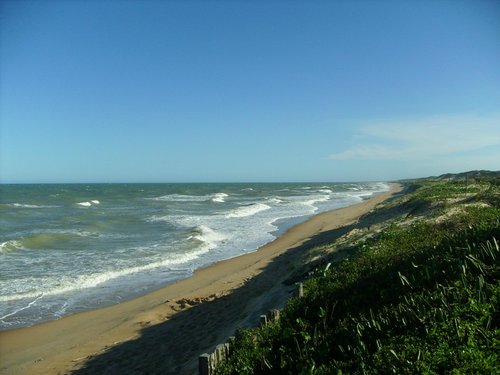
(165, 331)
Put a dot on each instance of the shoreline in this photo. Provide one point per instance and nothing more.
(216, 299)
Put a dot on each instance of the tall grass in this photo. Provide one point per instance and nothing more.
(418, 298)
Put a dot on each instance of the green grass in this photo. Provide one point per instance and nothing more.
(420, 297)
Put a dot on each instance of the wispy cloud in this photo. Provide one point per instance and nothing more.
(427, 138)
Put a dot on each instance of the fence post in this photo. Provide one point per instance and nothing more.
(274, 314)
(204, 364)
(263, 320)
(329, 264)
(221, 352)
(300, 290)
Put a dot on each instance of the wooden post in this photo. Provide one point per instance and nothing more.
(213, 361)
(300, 290)
(329, 264)
(221, 352)
(273, 314)
(216, 358)
(263, 320)
(204, 364)
(231, 343)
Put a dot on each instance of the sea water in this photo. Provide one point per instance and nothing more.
(70, 248)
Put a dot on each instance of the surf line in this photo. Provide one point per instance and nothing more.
(22, 308)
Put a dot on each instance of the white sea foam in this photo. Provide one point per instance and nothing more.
(207, 236)
(22, 308)
(20, 205)
(70, 284)
(363, 191)
(274, 200)
(325, 191)
(10, 245)
(155, 218)
(219, 197)
(382, 186)
(84, 204)
(88, 203)
(62, 310)
(316, 199)
(24, 205)
(42, 239)
(249, 210)
(181, 198)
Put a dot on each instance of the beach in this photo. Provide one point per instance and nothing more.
(164, 331)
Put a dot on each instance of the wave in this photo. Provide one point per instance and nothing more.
(325, 191)
(181, 198)
(10, 246)
(21, 205)
(24, 205)
(382, 186)
(92, 280)
(372, 186)
(207, 236)
(155, 218)
(313, 200)
(274, 200)
(249, 210)
(219, 197)
(89, 203)
(363, 191)
(43, 240)
(22, 308)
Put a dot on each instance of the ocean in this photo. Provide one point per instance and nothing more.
(74, 247)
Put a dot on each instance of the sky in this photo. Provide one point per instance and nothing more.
(247, 91)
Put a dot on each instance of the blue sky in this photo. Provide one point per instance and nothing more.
(218, 91)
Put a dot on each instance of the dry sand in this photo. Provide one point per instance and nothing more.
(165, 331)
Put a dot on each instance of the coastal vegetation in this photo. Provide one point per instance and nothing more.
(419, 293)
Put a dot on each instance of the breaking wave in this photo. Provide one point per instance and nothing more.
(219, 197)
(89, 203)
(207, 236)
(249, 210)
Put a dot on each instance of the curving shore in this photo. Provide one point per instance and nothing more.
(164, 331)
